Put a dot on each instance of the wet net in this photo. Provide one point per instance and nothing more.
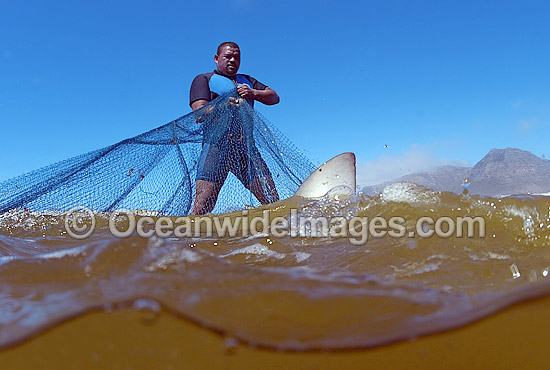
(227, 146)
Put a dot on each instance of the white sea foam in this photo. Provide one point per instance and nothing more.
(526, 214)
(72, 252)
(258, 250)
(409, 193)
(6, 259)
(301, 256)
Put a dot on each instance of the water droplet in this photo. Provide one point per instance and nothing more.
(231, 344)
(146, 304)
(149, 309)
(515, 271)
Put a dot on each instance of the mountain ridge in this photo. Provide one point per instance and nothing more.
(500, 172)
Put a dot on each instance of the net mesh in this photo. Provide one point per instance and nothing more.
(226, 145)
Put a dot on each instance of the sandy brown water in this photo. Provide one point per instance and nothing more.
(294, 294)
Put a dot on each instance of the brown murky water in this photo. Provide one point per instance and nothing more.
(294, 293)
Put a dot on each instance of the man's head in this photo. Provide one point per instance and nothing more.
(228, 58)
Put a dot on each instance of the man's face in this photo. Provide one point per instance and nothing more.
(228, 60)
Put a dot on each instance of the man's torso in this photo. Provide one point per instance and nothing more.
(208, 86)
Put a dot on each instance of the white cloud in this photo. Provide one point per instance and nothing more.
(387, 167)
(518, 103)
(527, 125)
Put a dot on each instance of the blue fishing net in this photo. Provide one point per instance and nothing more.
(157, 170)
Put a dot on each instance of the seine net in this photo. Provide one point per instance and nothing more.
(226, 145)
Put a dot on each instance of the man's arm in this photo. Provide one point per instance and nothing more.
(198, 104)
(267, 96)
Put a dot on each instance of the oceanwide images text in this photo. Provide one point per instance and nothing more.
(80, 223)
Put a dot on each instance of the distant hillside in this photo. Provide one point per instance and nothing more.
(500, 172)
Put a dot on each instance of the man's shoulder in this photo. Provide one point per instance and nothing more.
(255, 83)
(200, 89)
(205, 76)
(248, 77)
(208, 75)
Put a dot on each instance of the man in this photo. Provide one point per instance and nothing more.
(220, 156)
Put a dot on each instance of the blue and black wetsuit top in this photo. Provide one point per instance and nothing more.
(217, 125)
(209, 86)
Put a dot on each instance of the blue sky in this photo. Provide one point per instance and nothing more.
(436, 81)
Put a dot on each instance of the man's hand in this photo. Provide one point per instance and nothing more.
(246, 92)
(234, 101)
(266, 96)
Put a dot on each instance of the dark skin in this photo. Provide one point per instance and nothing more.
(228, 60)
